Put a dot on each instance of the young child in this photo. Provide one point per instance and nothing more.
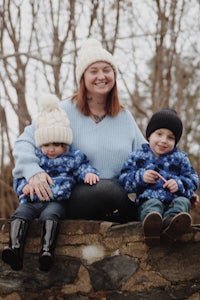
(162, 178)
(66, 166)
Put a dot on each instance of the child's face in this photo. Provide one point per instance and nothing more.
(162, 141)
(52, 150)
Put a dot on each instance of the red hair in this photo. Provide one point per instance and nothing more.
(113, 105)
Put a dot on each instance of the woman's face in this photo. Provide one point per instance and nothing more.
(99, 78)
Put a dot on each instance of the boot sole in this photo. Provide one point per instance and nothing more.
(152, 226)
(178, 226)
(46, 263)
(10, 258)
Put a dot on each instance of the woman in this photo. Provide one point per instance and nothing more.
(102, 128)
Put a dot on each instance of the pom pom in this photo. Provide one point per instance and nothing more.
(91, 43)
(49, 103)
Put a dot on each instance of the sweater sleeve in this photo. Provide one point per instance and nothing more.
(26, 162)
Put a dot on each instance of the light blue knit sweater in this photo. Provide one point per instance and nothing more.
(106, 144)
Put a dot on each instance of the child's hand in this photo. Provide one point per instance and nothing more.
(150, 176)
(91, 178)
(171, 185)
(26, 190)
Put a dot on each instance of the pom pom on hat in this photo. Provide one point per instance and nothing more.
(165, 118)
(52, 124)
(49, 103)
(91, 52)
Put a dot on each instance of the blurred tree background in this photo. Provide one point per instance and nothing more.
(156, 45)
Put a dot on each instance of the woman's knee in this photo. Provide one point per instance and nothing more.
(104, 191)
(97, 201)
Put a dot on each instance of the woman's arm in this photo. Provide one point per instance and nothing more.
(26, 161)
(27, 165)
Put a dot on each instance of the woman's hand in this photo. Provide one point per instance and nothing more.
(39, 185)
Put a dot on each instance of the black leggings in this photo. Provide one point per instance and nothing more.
(106, 200)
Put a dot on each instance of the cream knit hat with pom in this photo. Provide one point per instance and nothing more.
(52, 124)
(91, 52)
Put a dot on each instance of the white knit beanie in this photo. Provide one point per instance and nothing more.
(52, 124)
(91, 52)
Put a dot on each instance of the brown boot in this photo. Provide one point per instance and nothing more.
(152, 226)
(174, 227)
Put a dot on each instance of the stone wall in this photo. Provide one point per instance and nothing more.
(104, 261)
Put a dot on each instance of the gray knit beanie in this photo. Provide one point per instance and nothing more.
(91, 52)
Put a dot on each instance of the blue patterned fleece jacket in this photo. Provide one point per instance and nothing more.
(174, 165)
(65, 170)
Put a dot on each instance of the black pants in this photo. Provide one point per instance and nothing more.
(106, 200)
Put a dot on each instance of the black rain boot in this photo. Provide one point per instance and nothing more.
(48, 243)
(14, 253)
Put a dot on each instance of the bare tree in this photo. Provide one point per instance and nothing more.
(13, 61)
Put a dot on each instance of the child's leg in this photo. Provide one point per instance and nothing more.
(50, 218)
(149, 206)
(150, 212)
(177, 219)
(19, 225)
(178, 205)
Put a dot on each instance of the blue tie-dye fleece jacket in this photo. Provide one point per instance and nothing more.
(65, 170)
(174, 165)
